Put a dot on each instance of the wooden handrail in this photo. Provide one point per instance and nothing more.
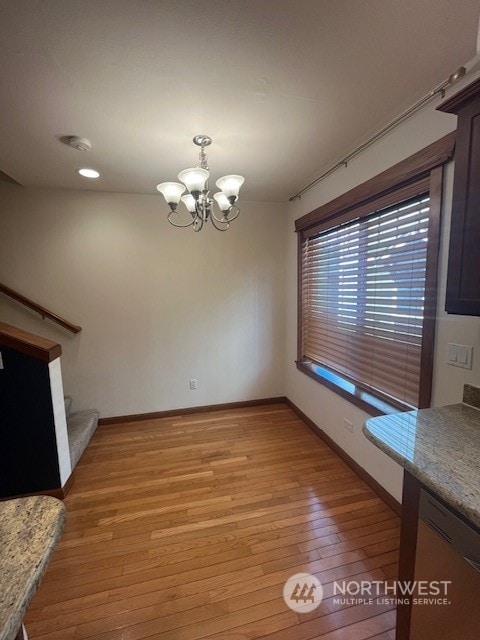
(45, 313)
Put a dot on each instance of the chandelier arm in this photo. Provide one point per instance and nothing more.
(175, 224)
(199, 209)
(218, 219)
(202, 206)
(229, 219)
(234, 206)
(197, 224)
(224, 228)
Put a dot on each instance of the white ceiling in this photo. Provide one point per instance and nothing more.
(283, 87)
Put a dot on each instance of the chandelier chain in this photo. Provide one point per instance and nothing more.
(202, 156)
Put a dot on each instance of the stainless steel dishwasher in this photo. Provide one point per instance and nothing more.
(448, 549)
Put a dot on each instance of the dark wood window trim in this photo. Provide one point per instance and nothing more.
(431, 290)
(410, 170)
(423, 170)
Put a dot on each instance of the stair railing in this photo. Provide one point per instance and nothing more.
(45, 313)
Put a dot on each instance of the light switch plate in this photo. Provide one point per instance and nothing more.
(1, 361)
(460, 355)
(451, 353)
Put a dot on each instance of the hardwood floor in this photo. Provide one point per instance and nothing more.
(187, 527)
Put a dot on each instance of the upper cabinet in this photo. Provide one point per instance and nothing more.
(463, 283)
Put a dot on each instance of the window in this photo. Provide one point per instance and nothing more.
(367, 287)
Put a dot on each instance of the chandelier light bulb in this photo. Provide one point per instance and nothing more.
(222, 201)
(230, 185)
(194, 179)
(189, 202)
(171, 191)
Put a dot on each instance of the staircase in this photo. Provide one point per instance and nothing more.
(81, 425)
(42, 440)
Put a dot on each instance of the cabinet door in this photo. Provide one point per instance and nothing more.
(463, 284)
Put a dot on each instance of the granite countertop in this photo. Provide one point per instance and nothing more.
(440, 447)
(29, 531)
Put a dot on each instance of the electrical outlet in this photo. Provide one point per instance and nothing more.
(1, 361)
(193, 384)
(348, 425)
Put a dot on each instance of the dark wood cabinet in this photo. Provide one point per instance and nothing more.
(463, 283)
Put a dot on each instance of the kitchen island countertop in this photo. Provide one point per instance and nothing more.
(29, 530)
(440, 447)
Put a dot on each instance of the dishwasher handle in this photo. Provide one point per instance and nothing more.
(460, 535)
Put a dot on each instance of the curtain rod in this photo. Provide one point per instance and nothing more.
(459, 73)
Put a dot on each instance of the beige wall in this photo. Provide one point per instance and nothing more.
(323, 406)
(157, 305)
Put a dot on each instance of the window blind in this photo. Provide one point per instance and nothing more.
(363, 296)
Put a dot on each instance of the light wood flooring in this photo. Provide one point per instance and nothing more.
(187, 527)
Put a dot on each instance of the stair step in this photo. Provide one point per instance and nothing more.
(81, 426)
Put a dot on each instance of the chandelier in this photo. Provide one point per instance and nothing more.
(197, 201)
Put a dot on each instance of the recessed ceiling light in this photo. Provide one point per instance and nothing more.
(88, 173)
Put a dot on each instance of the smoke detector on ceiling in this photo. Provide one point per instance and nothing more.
(80, 144)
